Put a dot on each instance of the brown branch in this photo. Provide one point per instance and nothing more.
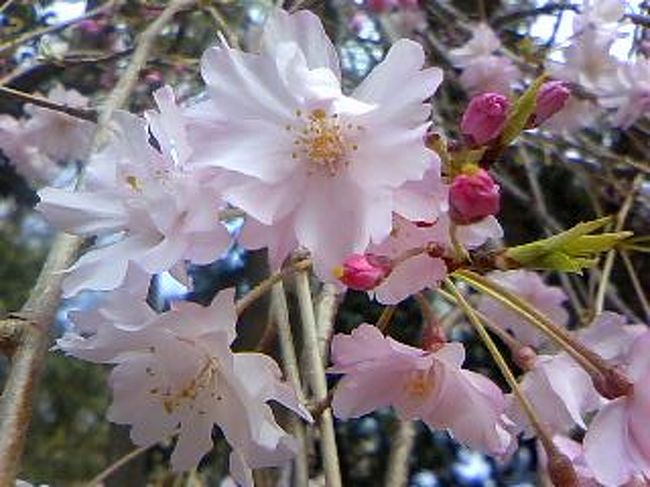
(82, 113)
(31, 325)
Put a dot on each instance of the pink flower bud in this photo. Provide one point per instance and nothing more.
(551, 98)
(473, 196)
(485, 117)
(363, 271)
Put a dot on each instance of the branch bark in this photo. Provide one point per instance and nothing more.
(25, 334)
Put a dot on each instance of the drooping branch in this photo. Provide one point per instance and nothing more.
(25, 334)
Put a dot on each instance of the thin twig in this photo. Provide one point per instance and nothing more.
(265, 286)
(526, 405)
(280, 313)
(325, 315)
(315, 374)
(636, 283)
(81, 113)
(599, 302)
(115, 466)
(5, 5)
(386, 315)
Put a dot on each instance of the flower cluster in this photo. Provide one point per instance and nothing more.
(382, 203)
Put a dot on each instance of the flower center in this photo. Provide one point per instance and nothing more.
(418, 384)
(322, 142)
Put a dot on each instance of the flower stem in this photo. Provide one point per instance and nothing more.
(528, 408)
(315, 374)
(589, 360)
(386, 315)
(264, 286)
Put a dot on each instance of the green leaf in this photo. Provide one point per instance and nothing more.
(568, 251)
(520, 112)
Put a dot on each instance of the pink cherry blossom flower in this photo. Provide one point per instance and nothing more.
(430, 386)
(587, 61)
(630, 94)
(561, 392)
(157, 207)
(531, 287)
(60, 136)
(485, 117)
(314, 156)
(600, 14)
(160, 396)
(617, 443)
(484, 42)
(31, 163)
(417, 272)
(473, 195)
(495, 74)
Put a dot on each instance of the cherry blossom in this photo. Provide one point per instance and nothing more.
(630, 95)
(155, 207)
(27, 159)
(430, 386)
(561, 391)
(58, 135)
(484, 42)
(314, 156)
(531, 287)
(617, 443)
(488, 74)
(161, 397)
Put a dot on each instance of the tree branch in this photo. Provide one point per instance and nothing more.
(82, 113)
(31, 324)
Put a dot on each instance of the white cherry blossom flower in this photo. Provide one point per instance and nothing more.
(483, 42)
(161, 396)
(60, 136)
(323, 163)
(157, 207)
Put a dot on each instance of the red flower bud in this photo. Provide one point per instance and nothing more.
(473, 196)
(551, 98)
(485, 117)
(363, 272)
